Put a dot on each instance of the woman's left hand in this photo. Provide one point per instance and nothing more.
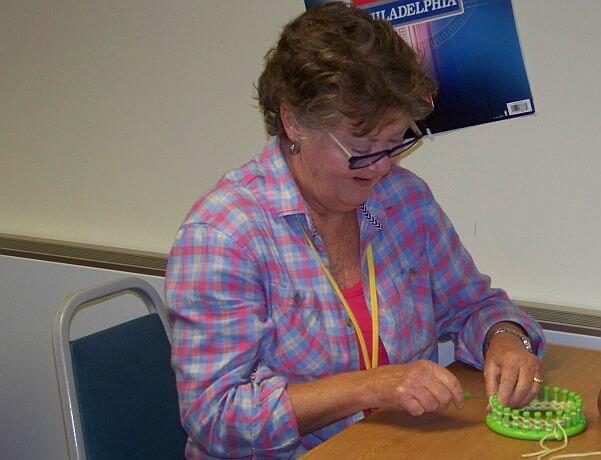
(510, 370)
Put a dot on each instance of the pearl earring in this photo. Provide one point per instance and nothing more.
(294, 148)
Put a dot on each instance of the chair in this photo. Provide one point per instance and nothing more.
(117, 387)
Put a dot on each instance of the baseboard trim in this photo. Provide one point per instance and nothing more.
(553, 317)
(87, 255)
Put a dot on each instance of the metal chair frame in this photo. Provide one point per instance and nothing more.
(62, 349)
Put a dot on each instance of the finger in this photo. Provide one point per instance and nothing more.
(442, 393)
(452, 384)
(522, 388)
(413, 406)
(427, 399)
(531, 376)
(507, 382)
(536, 387)
(492, 374)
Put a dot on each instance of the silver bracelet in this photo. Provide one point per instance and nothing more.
(501, 330)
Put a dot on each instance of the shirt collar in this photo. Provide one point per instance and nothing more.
(374, 208)
(282, 194)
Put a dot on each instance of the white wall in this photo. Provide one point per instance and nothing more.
(31, 424)
(115, 116)
(524, 193)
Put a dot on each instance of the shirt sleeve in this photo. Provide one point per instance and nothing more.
(466, 306)
(231, 404)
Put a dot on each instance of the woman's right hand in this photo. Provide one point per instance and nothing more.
(417, 387)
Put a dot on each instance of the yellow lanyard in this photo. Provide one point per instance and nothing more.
(373, 297)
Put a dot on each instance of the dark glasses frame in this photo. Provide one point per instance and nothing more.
(363, 161)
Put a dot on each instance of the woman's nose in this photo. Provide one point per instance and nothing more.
(382, 166)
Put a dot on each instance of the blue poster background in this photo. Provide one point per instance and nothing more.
(476, 58)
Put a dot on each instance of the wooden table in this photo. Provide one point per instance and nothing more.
(392, 434)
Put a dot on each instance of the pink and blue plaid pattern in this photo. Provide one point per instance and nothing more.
(253, 311)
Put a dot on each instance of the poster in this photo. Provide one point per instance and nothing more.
(471, 47)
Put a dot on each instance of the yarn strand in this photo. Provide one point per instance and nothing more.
(547, 450)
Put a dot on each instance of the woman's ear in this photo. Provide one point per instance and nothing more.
(290, 123)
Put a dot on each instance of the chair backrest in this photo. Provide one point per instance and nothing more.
(117, 387)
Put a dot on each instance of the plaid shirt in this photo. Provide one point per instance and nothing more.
(253, 310)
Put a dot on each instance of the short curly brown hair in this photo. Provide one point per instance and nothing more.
(335, 61)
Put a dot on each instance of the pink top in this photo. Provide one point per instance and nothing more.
(356, 300)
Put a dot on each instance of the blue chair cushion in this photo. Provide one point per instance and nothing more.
(126, 392)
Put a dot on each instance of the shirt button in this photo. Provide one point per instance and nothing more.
(296, 297)
(348, 322)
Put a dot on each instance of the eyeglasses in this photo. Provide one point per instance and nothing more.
(363, 161)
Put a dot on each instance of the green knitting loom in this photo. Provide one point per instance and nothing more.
(541, 417)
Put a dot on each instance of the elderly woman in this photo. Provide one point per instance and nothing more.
(312, 284)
